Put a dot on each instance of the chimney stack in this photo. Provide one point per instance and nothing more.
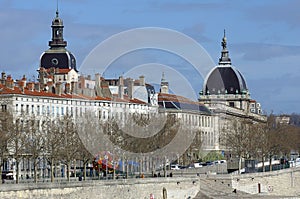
(3, 78)
(58, 88)
(142, 80)
(130, 88)
(30, 86)
(9, 83)
(37, 86)
(121, 87)
(67, 88)
(74, 88)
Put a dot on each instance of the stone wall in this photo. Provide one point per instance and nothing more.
(132, 188)
(278, 183)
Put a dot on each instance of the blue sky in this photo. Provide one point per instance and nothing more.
(263, 37)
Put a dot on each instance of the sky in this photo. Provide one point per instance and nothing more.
(262, 39)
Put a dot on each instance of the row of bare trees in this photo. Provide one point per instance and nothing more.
(31, 138)
(261, 141)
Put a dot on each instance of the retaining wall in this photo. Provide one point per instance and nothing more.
(133, 188)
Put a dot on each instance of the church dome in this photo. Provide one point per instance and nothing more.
(224, 78)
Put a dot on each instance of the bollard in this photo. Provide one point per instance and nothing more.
(151, 196)
(164, 193)
(259, 190)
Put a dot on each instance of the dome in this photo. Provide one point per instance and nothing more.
(57, 21)
(62, 60)
(224, 79)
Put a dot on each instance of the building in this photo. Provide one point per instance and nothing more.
(61, 90)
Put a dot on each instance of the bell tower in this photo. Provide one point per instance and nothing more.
(57, 33)
(164, 85)
(57, 56)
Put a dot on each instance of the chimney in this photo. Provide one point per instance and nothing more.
(3, 78)
(24, 81)
(9, 83)
(30, 86)
(121, 87)
(67, 88)
(58, 88)
(37, 86)
(98, 88)
(74, 88)
(142, 80)
(49, 86)
(130, 88)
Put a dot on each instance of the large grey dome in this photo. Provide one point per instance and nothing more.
(224, 79)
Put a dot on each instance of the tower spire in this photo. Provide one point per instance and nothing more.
(57, 9)
(224, 60)
(57, 32)
(164, 85)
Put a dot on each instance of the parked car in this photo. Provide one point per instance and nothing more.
(198, 164)
(175, 167)
(7, 175)
(209, 163)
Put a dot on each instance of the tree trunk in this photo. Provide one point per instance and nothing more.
(52, 170)
(240, 164)
(126, 175)
(35, 170)
(75, 169)
(270, 163)
(263, 164)
(84, 171)
(1, 164)
(68, 170)
(17, 171)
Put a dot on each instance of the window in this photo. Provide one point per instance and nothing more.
(38, 110)
(231, 104)
(27, 108)
(4, 107)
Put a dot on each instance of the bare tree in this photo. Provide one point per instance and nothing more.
(34, 142)
(5, 124)
(17, 141)
(69, 144)
(85, 156)
(237, 139)
(52, 143)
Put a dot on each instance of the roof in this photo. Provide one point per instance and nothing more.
(171, 101)
(26, 91)
(224, 79)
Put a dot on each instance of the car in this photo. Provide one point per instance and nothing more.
(219, 161)
(209, 163)
(197, 165)
(175, 167)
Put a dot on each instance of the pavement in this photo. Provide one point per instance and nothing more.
(208, 190)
